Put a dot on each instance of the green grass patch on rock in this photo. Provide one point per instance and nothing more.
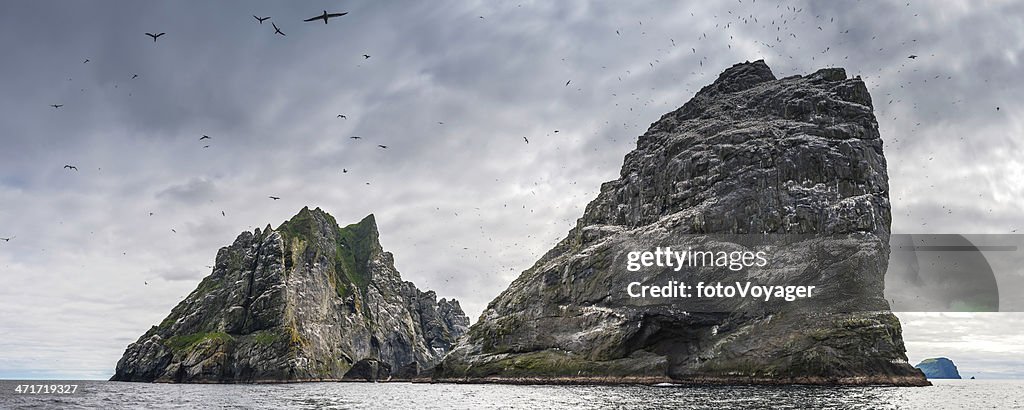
(185, 342)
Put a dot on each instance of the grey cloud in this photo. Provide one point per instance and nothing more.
(178, 274)
(189, 193)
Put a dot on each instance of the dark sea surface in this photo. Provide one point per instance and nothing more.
(945, 394)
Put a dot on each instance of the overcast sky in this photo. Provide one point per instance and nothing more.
(452, 88)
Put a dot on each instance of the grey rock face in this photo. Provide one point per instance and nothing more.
(307, 301)
(750, 155)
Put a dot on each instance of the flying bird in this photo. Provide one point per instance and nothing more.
(204, 137)
(134, 76)
(325, 16)
(366, 56)
(71, 167)
(260, 19)
(8, 239)
(155, 36)
(527, 141)
(56, 105)
(356, 138)
(344, 171)
(383, 146)
(342, 116)
(277, 30)
(274, 197)
(86, 61)
(206, 146)
(912, 56)
(223, 214)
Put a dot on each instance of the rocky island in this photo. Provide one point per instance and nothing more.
(308, 301)
(749, 156)
(939, 368)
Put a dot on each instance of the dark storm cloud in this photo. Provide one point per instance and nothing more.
(465, 205)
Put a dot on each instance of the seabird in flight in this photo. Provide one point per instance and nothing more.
(8, 239)
(342, 116)
(56, 105)
(325, 16)
(71, 167)
(274, 197)
(204, 137)
(155, 35)
(383, 146)
(276, 29)
(260, 19)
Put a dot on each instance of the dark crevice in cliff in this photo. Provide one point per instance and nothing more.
(249, 286)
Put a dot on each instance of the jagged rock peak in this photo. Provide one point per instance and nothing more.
(318, 221)
(310, 300)
(741, 76)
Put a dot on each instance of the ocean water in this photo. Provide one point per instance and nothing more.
(945, 394)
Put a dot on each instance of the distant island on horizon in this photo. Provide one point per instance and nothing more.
(939, 368)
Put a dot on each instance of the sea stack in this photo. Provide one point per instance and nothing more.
(939, 368)
(794, 166)
(307, 301)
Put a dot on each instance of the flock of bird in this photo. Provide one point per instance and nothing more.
(325, 17)
(782, 24)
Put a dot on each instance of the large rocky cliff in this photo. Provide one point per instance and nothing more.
(793, 165)
(307, 301)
